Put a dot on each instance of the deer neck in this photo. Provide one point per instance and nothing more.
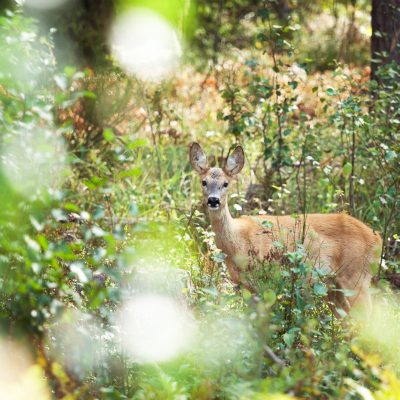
(222, 224)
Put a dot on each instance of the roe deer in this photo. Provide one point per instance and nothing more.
(338, 243)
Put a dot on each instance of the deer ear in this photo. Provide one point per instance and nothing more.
(198, 159)
(234, 162)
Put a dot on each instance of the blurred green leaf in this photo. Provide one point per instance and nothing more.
(320, 289)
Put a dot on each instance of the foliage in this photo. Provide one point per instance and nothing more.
(121, 216)
(329, 32)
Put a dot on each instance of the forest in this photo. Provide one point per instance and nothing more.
(112, 284)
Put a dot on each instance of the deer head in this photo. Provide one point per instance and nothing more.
(215, 181)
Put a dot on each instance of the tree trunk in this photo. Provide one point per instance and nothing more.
(82, 31)
(282, 9)
(385, 41)
(6, 5)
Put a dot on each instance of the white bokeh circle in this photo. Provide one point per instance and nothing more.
(145, 44)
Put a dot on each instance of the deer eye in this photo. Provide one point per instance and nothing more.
(204, 183)
(225, 184)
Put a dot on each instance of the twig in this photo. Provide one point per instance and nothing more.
(268, 351)
(352, 176)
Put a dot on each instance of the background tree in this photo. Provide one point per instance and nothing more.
(6, 5)
(385, 41)
(82, 28)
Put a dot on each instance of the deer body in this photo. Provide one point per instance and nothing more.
(337, 243)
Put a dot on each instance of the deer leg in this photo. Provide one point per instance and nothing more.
(361, 302)
(337, 300)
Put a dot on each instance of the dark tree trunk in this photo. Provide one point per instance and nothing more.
(6, 5)
(282, 10)
(82, 28)
(385, 41)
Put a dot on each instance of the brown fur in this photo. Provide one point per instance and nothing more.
(338, 242)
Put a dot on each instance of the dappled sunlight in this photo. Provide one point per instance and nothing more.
(145, 44)
(381, 329)
(25, 58)
(150, 275)
(20, 379)
(78, 342)
(34, 160)
(155, 328)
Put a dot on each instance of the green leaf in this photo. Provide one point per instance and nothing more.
(288, 338)
(61, 81)
(347, 168)
(71, 207)
(133, 209)
(246, 295)
(267, 224)
(32, 244)
(36, 224)
(99, 213)
(89, 95)
(269, 297)
(77, 268)
(341, 312)
(278, 244)
(108, 135)
(320, 289)
(137, 143)
(97, 231)
(36, 268)
(95, 182)
(348, 292)
(97, 300)
(218, 257)
(137, 171)
(41, 239)
(69, 71)
(330, 91)
(237, 207)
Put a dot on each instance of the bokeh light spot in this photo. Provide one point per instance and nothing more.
(77, 341)
(155, 328)
(145, 44)
(20, 379)
(33, 160)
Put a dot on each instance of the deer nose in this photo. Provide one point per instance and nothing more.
(213, 202)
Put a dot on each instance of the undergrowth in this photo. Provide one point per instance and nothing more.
(123, 218)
